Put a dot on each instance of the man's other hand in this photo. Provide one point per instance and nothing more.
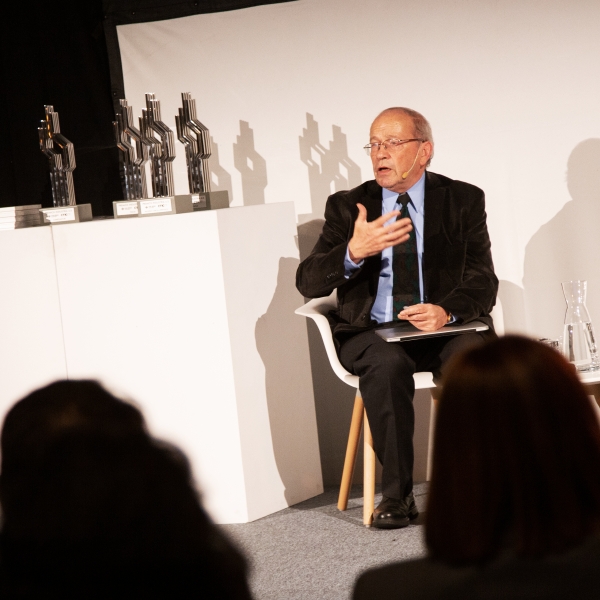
(426, 317)
(371, 238)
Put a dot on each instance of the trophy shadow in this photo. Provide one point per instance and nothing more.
(251, 165)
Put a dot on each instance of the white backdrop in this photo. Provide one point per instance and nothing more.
(511, 88)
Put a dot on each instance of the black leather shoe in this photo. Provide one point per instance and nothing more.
(394, 514)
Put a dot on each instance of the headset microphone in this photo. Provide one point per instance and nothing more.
(405, 174)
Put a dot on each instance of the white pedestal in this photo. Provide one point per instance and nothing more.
(32, 352)
(192, 317)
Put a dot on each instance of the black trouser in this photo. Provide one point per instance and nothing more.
(387, 388)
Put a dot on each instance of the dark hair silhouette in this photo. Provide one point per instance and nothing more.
(516, 455)
(62, 405)
(94, 507)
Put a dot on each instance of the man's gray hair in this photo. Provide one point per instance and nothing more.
(420, 123)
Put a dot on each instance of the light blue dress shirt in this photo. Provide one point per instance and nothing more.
(382, 310)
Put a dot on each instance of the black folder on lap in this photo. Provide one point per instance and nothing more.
(405, 332)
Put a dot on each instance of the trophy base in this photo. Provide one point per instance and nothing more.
(150, 207)
(209, 200)
(77, 213)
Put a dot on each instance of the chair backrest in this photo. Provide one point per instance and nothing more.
(317, 309)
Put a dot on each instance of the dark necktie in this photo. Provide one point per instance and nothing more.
(405, 267)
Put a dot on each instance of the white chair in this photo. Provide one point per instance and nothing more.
(317, 310)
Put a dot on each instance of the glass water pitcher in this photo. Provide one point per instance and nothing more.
(579, 344)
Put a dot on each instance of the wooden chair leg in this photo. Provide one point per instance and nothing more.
(351, 451)
(594, 391)
(369, 474)
(435, 397)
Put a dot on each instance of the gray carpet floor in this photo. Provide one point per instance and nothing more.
(312, 551)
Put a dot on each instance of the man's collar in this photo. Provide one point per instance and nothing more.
(416, 193)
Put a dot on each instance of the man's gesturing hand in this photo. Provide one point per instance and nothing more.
(426, 317)
(371, 238)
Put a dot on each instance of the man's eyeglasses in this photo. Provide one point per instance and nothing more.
(391, 145)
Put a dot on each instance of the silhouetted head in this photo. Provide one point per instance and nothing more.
(62, 405)
(516, 455)
(37, 419)
(94, 507)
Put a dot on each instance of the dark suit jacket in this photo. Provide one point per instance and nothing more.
(573, 574)
(458, 273)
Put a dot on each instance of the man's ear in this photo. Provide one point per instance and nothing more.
(425, 153)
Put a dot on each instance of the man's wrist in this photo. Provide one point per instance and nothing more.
(349, 265)
(352, 256)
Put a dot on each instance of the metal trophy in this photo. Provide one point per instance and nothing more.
(133, 160)
(62, 161)
(61, 156)
(155, 143)
(162, 150)
(196, 139)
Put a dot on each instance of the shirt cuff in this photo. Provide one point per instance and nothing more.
(350, 266)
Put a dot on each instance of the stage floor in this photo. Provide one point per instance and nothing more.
(313, 551)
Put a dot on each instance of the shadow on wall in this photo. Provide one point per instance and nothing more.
(251, 165)
(329, 169)
(512, 298)
(333, 398)
(281, 324)
(220, 179)
(567, 247)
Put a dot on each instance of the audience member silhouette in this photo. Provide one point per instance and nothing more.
(93, 507)
(514, 500)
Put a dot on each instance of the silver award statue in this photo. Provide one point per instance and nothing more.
(196, 140)
(162, 150)
(132, 159)
(61, 156)
(155, 143)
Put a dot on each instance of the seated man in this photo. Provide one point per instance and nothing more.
(414, 246)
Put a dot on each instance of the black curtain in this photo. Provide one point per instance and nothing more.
(65, 53)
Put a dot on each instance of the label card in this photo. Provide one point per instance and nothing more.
(127, 208)
(59, 215)
(159, 205)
